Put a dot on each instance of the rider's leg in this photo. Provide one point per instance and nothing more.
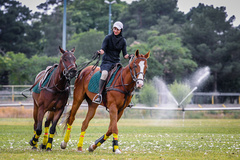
(101, 86)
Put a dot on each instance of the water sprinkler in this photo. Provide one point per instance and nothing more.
(188, 95)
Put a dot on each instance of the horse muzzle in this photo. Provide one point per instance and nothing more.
(70, 74)
(139, 83)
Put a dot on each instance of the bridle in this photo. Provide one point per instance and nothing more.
(133, 70)
(69, 71)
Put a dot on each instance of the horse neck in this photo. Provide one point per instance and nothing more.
(127, 78)
(59, 80)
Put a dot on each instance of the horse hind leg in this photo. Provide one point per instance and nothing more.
(49, 119)
(55, 117)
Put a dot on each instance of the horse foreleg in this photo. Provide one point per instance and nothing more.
(90, 114)
(76, 105)
(49, 119)
(35, 115)
(38, 131)
(112, 129)
(56, 117)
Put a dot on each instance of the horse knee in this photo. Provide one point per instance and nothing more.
(39, 131)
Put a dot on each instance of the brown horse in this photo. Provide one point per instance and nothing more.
(52, 97)
(118, 98)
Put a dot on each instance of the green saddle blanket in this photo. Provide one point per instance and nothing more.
(93, 85)
(37, 88)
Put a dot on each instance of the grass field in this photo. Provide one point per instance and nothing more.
(138, 139)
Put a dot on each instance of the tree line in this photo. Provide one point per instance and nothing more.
(179, 43)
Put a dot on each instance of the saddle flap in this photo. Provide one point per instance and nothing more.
(44, 78)
(93, 85)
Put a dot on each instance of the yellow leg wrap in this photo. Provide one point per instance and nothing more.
(81, 138)
(49, 145)
(115, 137)
(45, 137)
(67, 135)
(51, 135)
(105, 137)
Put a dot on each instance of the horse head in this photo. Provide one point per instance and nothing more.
(69, 67)
(138, 68)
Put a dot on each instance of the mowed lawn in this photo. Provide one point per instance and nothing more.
(138, 139)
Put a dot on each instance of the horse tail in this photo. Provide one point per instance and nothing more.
(65, 119)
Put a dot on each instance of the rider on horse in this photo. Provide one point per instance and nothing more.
(112, 45)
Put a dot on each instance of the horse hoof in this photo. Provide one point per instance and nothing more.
(117, 151)
(90, 149)
(34, 148)
(31, 143)
(42, 146)
(63, 145)
(48, 149)
(79, 149)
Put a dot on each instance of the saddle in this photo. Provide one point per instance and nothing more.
(43, 79)
(93, 85)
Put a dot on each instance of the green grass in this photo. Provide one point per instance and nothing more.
(138, 139)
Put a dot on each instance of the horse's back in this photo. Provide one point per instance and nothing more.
(88, 72)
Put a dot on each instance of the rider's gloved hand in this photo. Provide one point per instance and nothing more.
(130, 56)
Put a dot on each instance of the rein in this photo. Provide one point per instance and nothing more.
(95, 56)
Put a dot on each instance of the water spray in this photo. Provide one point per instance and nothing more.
(188, 95)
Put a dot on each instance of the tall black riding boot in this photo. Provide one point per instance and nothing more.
(98, 99)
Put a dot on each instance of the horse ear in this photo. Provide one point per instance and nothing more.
(73, 50)
(137, 53)
(147, 55)
(61, 50)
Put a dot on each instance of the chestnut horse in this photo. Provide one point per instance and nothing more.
(52, 97)
(117, 99)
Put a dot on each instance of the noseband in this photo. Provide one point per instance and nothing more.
(69, 72)
(133, 70)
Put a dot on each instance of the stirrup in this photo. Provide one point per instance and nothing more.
(96, 97)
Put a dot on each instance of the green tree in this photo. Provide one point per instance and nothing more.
(23, 70)
(143, 14)
(205, 35)
(149, 95)
(86, 43)
(16, 34)
(170, 52)
(180, 91)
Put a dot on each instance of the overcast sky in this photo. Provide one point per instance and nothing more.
(232, 6)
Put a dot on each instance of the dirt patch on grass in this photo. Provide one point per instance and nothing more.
(16, 112)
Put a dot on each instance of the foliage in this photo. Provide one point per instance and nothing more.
(178, 42)
(180, 91)
(16, 34)
(86, 43)
(148, 95)
(168, 50)
(21, 69)
(206, 34)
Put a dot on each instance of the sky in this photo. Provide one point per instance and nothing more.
(232, 6)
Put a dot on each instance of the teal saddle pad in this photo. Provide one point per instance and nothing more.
(93, 85)
(37, 88)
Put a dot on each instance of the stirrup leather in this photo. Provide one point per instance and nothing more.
(98, 96)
